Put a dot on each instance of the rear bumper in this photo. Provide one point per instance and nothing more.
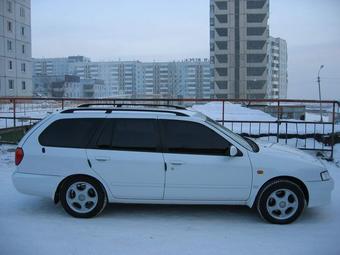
(320, 192)
(37, 185)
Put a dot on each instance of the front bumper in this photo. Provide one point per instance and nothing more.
(37, 185)
(320, 192)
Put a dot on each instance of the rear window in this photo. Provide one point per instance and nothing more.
(69, 133)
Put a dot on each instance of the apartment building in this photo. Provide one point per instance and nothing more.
(120, 77)
(277, 68)
(195, 79)
(56, 66)
(238, 46)
(135, 79)
(68, 86)
(15, 48)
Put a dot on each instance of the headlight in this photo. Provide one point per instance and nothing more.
(325, 176)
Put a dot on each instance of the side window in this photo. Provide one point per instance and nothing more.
(192, 138)
(129, 135)
(69, 133)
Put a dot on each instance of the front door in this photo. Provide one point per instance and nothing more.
(126, 155)
(198, 165)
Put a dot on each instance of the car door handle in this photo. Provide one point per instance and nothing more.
(176, 163)
(102, 159)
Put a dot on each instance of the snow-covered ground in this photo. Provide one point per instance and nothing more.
(35, 226)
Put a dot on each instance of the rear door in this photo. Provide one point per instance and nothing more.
(199, 167)
(59, 148)
(126, 154)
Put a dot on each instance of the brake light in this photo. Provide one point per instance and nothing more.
(19, 155)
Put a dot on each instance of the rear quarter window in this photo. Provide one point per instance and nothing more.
(69, 133)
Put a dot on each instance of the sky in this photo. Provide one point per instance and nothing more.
(166, 30)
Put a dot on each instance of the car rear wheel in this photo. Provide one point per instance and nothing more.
(83, 197)
(281, 202)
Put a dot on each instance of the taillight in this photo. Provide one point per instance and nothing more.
(19, 155)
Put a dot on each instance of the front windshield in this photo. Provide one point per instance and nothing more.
(237, 138)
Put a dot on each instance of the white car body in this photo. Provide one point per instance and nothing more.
(164, 178)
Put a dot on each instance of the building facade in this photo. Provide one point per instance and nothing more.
(15, 48)
(277, 68)
(134, 79)
(68, 86)
(56, 66)
(238, 45)
(195, 79)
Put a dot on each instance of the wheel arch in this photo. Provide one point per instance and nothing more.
(295, 180)
(74, 176)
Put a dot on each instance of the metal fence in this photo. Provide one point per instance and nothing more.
(301, 133)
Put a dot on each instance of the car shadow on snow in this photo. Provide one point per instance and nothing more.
(179, 211)
(220, 213)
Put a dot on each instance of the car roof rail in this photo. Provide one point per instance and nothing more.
(120, 105)
(110, 110)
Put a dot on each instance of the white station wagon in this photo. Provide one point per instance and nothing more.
(94, 154)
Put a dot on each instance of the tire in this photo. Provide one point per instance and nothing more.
(83, 197)
(281, 202)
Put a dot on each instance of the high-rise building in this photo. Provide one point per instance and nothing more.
(277, 68)
(15, 48)
(238, 41)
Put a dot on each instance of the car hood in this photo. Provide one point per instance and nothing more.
(290, 153)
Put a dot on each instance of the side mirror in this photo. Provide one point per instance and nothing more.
(233, 152)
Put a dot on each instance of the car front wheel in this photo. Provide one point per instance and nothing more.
(281, 202)
(83, 197)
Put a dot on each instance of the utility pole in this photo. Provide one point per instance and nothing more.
(319, 83)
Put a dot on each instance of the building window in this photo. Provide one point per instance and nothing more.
(256, 84)
(22, 12)
(23, 85)
(222, 45)
(222, 58)
(222, 18)
(256, 4)
(255, 18)
(222, 5)
(255, 71)
(212, 22)
(255, 45)
(22, 30)
(256, 30)
(222, 71)
(255, 58)
(9, 45)
(222, 31)
(10, 65)
(11, 84)
(9, 6)
(9, 26)
(23, 50)
(23, 67)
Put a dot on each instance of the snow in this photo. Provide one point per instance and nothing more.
(35, 226)
(232, 112)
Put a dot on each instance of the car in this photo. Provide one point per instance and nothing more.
(91, 155)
